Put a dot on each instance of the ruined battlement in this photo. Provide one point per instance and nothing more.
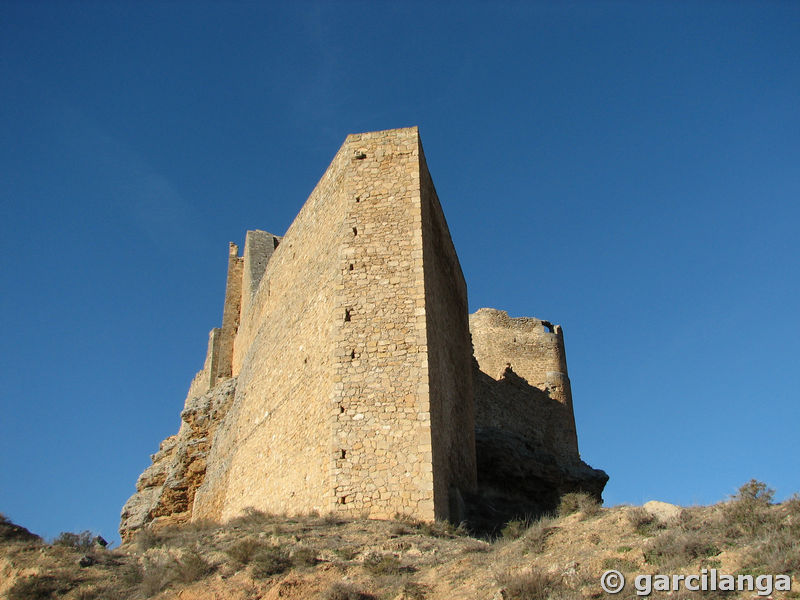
(347, 375)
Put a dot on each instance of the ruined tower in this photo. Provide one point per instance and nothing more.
(343, 378)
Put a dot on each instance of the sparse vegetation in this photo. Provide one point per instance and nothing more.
(674, 549)
(531, 585)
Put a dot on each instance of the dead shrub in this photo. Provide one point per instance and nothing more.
(578, 502)
(643, 522)
(399, 529)
(345, 591)
(535, 538)
(131, 574)
(269, 561)
(157, 573)
(242, 552)
(440, 529)
(304, 557)
(473, 546)
(414, 591)
(531, 585)
(778, 552)
(191, 566)
(146, 539)
(383, 564)
(78, 541)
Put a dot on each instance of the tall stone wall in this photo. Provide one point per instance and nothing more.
(352, 346)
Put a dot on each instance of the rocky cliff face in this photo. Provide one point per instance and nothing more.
(165, 491)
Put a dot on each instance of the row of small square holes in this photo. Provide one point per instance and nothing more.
(347, 314)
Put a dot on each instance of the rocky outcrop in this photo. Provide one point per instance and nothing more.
(165, 491)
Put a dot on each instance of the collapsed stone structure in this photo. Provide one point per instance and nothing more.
(348, 376)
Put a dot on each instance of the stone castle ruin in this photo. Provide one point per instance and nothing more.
(348, 377)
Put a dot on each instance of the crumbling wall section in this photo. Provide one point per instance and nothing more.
(528, 358)
(230, 316)
(258, 248)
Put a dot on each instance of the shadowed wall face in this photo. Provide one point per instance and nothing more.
(449, 358)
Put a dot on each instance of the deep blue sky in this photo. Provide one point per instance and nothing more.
(630, 170)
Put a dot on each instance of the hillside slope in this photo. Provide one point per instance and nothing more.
(269, 557)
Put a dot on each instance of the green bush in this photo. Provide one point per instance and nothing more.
(748, 513)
